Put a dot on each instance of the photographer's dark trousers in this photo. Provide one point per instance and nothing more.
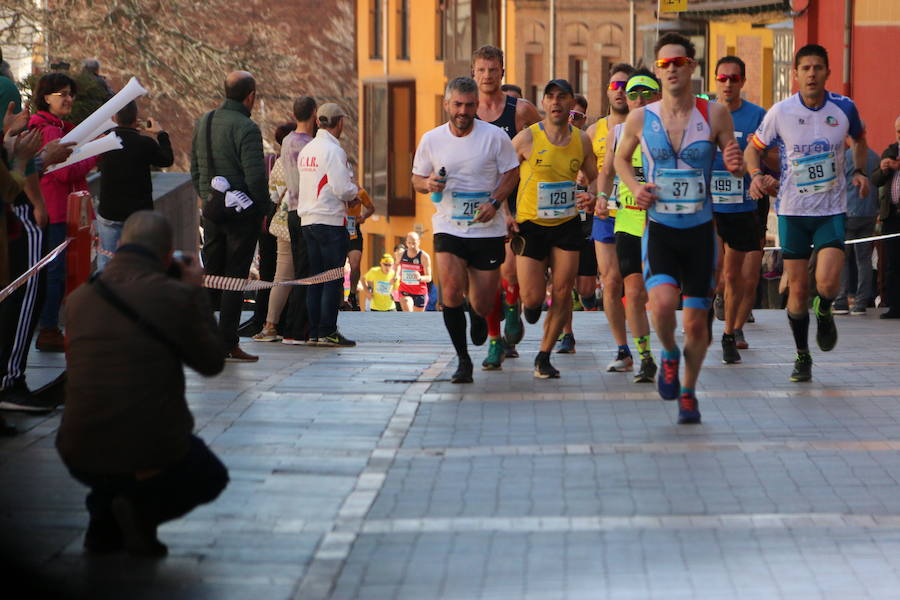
(295, 318)
(228, 251)
(197, 479)
(20, 311)
(327, 247)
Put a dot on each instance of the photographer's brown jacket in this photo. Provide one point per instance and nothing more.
(125, 407)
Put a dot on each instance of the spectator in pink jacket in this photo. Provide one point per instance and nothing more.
(53, 98)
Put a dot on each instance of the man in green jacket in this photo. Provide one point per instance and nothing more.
(237, 154)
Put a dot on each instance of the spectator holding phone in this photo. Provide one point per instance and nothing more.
(125, 184)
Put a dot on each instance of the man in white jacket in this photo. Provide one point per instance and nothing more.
(326, 187)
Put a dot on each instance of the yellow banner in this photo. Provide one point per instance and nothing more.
(672, 5)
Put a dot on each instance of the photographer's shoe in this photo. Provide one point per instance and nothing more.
(238, 355)
(50, 340)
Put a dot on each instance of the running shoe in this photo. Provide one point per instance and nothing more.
(858, 311)
(336, 340)
(477, 328)
(513, 330)
(688, 410)
(751, 318)
(494, 359)
(509, 350)
(542, 367)
(719, 306)
(668, 383)
(566, 344)
(826, 331)
(622, 363)
(840, 309)
(739, 340)
(297, 342)
(802, 367)
(647, 371)
(463, 372)
(730, 355)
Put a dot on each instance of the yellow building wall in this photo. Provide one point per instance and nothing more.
(876, 12)
(428, 74)
(754, 46)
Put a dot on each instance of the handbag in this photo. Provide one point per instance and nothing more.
(279, 224)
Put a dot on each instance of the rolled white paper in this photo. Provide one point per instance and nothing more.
(90, 150)
(106, 126)
(98, 118)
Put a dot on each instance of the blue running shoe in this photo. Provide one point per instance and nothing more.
(667, 382)
(688, 410)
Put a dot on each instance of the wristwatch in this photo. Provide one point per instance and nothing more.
(496, 203)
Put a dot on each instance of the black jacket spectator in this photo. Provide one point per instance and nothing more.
(125, 186)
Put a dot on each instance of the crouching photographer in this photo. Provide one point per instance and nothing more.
(126, 429)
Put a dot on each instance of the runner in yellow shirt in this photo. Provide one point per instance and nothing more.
(380, 282)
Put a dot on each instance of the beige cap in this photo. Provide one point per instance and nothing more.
(329, 112)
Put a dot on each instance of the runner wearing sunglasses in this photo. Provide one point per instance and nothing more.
(678, 138)
(736, 213)
(586, 283)
(809, 130)
(603, 232)
(551, 154)
(511, 115)
(642, 88)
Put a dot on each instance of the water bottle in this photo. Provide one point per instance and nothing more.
(438, 196)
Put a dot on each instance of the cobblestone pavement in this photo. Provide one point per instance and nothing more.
(363, 473)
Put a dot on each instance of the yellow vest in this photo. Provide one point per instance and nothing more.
(548, 165)
(599, 145)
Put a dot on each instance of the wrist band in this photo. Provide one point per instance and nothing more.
(603, 195)
(755, 172)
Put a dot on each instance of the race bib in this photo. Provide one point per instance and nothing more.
(383, 288)
(726, 188)
(614, 198)
(465, 204)
(556, 199)
(351, 227)
(816, 173)
(680, 191)
(409, 277)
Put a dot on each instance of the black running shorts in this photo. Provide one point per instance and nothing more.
(628, 251)
(541, 239)
(484, 254)
(685, 258)
(738, 230)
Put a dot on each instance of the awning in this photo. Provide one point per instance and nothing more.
(721, 8)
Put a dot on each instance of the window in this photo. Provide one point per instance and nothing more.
(389, 145)
(439, 116)
(403, 29)
(376, 247)
(469, 24)
(375, 28)
(440, 27)
(534, 76)
(578, 74)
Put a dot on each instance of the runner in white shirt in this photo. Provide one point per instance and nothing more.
(469, 167)
(809, 130)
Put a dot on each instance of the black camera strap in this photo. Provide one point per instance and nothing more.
(116, 301)
(209, 153)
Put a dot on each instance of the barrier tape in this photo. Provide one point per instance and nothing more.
(235, 284)
(21, 279)
(874, 238)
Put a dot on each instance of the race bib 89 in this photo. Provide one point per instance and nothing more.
(816, 173)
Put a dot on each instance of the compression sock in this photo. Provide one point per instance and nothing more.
(824, 306)
(455, 321)
(532, 314)
(493, 318)
(800, 329)
(643, 346)
(624, 349)
(671, 354)
(511, 291)
(688, 391)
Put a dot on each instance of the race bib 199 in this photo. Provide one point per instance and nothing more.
(465, 205)
(556, 199)
(680, 191)
(726, 188)
(816, 173)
